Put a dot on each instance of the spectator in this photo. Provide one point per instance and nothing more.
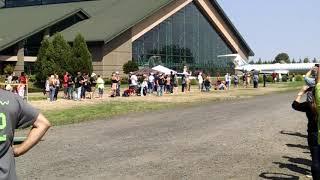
(118, 84)
(200, 81)
(52, 87)
(70, 87)
(100, 86)
(151, 83)
(184, 82)
(207, 83)
(175, 83)
(57, 85)
(255, 80)
(134, 82)
(168, 84)
(222, 86)
(236, 81)
(264, 79)
(78, 85)
(160, 85)
(188, 82)
(65, 85)
(227, 78)
(93, 83)
(114, 84)
(84, 85)
(144, 86)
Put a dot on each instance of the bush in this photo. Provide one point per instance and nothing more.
(8, 69)
(130, 66)
(285, 78)
(269, 79)
(299, 78)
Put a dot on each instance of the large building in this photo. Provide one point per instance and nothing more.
(175, 32)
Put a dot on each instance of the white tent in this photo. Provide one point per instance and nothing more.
(163, 69)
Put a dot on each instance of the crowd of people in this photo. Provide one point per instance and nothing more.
(17, 84)
(89, 86)
(76, 88)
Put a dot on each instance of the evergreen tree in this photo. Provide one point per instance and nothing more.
(62, 54)
(306, 60)
(82, 59)
(300, 60)
(314, 60)
(260, 61)
(293, 61)
(45, 63)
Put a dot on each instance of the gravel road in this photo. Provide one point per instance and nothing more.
(258, 138)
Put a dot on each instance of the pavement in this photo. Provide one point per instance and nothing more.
(258, 138)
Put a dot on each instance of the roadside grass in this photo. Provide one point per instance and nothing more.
(102, 110)
(70, 112)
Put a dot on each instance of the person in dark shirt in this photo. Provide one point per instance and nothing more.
(310, 108)
(16, 113)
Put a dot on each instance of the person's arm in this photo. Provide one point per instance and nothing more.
(297, 105)
(40, 127)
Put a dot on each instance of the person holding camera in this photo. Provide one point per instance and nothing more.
(311, 107)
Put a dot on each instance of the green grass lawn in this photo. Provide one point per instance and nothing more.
(107, 109)
(102, 110)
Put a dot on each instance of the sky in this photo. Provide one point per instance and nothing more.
(274, 26)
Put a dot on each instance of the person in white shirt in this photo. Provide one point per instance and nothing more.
(151, 83)
(200, 81)
(134, 81)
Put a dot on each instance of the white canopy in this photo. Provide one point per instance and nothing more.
(163, 69)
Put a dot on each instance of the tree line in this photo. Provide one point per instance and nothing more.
(284, 58)
(57, 56)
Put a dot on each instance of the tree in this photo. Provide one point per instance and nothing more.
(306, 60)
(130, 66)
(282, 57)
(45, 62)
(293, 61)
(82, 59)
(314, 60)
(260, 61)
(62, 54)
(300, 60)
(251, 62)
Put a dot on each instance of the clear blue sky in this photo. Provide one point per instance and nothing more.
(274, 26)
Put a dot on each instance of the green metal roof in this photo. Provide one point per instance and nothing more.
(17, 24)
(108, 19)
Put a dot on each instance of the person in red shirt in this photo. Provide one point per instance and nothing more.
(65, 84)
(23, 78)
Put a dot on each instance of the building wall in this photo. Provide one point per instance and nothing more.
(116, 53)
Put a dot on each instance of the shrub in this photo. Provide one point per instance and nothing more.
(299, 78)
(285, 78)
(8, 69)
(269, 79)
(130, 66)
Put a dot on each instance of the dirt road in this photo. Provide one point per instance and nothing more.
(259, 138)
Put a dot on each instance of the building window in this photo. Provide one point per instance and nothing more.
(185, 38)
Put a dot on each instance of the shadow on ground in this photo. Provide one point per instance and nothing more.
(293, 164)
